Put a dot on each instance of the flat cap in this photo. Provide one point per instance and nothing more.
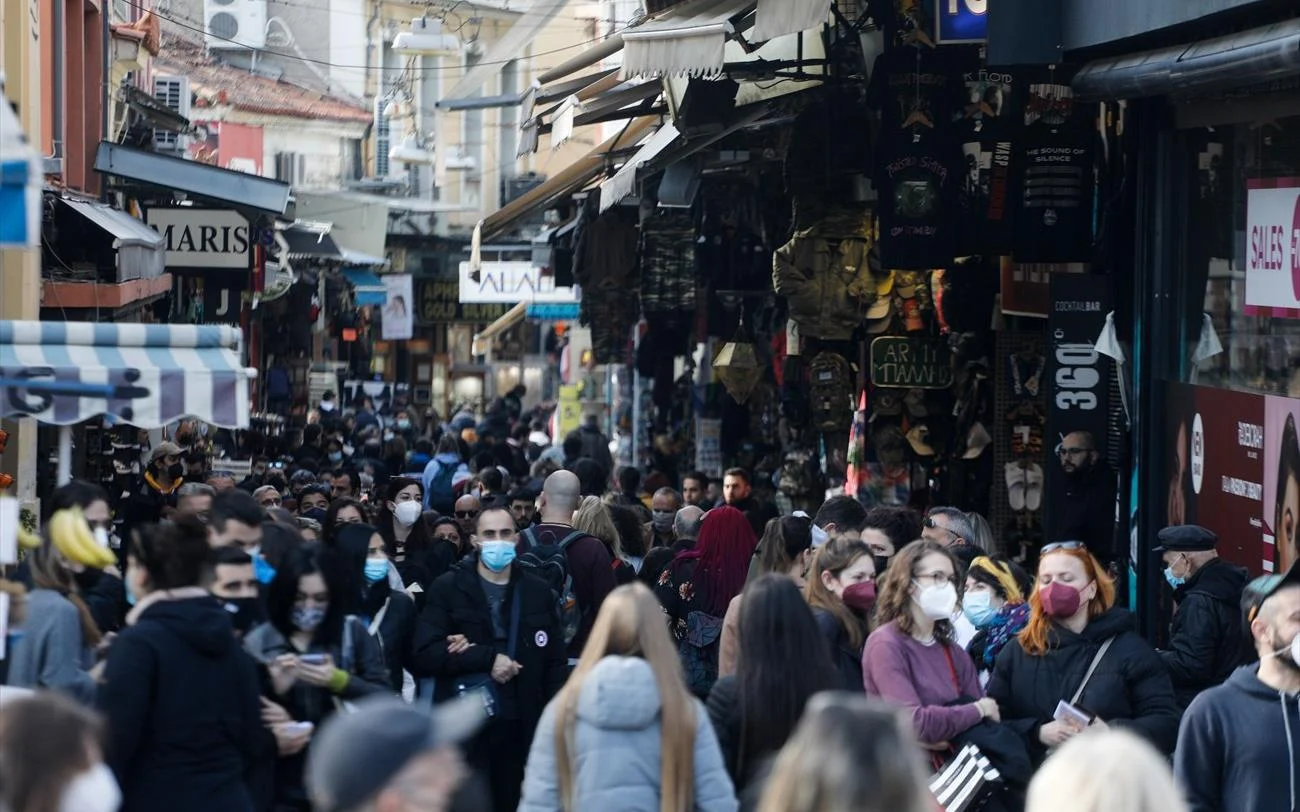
(1186, 538)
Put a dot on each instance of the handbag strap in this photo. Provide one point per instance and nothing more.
(379, 618)
(952, 668)
(516, 602)
(1092, 667)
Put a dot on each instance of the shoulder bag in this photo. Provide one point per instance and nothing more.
(483, 684)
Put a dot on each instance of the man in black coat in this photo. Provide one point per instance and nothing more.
(1207, 641)
(490, 626)
(1087, 513)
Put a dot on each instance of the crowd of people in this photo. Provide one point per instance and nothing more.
(481, 620)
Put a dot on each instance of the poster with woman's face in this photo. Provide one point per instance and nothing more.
(1281, 479)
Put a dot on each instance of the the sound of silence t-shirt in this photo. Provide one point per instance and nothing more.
(916, 182)
(1056, 185)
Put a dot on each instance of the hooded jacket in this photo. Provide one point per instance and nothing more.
(616, 756)
(184, 720)
(824, 273)
(1207, 641)
(1237, 748)
(1130, 687)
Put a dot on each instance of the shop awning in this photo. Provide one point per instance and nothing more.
(141, 251)
(308, 243)
(775, 18)
(361, 260)
(201, 180)
(511, 46)
(147, 375)
(483, 341)
(1251, 57)
(688, 40)
(567, 180)
(623, 183)
(368, 289)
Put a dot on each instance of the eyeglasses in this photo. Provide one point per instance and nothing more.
(935, 578)
(1072, 452)
(467, 514)
(1062, 545)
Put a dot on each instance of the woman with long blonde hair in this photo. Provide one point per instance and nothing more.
(1079, 663)
(850, 753)
(624, 733)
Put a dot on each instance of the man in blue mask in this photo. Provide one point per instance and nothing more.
(1206, 641)
(491, 628)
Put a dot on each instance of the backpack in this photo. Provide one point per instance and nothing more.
(550, 562)
(442, 496)
(831, 386)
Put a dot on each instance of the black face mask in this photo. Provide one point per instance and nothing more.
(882, 564)
(276, 481)
(176, 471)
(245, 613)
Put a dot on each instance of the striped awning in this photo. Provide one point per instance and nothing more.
(147, 375)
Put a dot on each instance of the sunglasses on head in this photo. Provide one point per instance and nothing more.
(1062, 545)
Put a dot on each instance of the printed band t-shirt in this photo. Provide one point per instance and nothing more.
(988, 126)
(1056, 182)
(916, 182)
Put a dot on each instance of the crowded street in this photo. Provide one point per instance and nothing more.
(649, 406)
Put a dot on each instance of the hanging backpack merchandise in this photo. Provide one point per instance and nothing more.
(831, 386)
(550, 561)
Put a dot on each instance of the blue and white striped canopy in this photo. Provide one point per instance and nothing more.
(147, 375)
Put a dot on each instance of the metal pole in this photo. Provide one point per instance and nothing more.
(65, 455)
(636, 397)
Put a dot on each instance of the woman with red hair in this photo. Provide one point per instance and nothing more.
(1079, 663)
(697, 586)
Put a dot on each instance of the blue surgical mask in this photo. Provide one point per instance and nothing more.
(130, 594)
(497, 555)
(336, 456)
(978, 607)
(1175, 581)
(307, 618)
(262, 569)
(403, 424)
(376, 570)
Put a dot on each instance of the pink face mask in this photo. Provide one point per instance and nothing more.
(1059, 600)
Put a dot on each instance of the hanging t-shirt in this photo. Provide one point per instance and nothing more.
(988, 126)
(917, 90)
(917, 182)
(1056, 184)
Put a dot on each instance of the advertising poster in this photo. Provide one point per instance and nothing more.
(399, 313)
(1216, 469)
(1281, 483)
(1078, 379)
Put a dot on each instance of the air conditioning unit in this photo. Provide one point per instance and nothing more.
(383, 137)
(174, 92)
(234, 25)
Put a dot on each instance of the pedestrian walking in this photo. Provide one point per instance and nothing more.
(841, 590)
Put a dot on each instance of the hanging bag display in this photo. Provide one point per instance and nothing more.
(831, 385)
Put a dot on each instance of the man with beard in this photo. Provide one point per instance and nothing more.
(1087, 513)
(1236, 747)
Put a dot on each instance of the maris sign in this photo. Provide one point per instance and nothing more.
(204, 238)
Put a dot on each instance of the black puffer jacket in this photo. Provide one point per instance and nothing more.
(1207, 641)
(1130, 687)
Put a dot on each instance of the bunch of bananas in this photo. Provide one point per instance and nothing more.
(27, 539)
(72, 536)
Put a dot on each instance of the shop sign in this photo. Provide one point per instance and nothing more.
(223, 297)
(511, 283)
(1078, 393)
(553, 312)
(1227, 457)
(439, 303)
(962, 21)
(204, 238)
(911, 362)
(398, 320)
(1273, 247)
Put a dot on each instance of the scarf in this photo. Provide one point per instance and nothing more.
(1010, 620)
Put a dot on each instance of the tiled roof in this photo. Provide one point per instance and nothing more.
(225, 84)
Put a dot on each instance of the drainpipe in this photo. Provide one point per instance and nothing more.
(60, 50)
(105, 114)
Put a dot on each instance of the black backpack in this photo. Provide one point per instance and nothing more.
(550, 561)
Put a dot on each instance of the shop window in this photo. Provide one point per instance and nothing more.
(1251, 340)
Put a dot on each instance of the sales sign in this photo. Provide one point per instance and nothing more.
(1273, 247)
(961, 21)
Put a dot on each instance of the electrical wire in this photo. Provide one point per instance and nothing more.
(138, 4)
